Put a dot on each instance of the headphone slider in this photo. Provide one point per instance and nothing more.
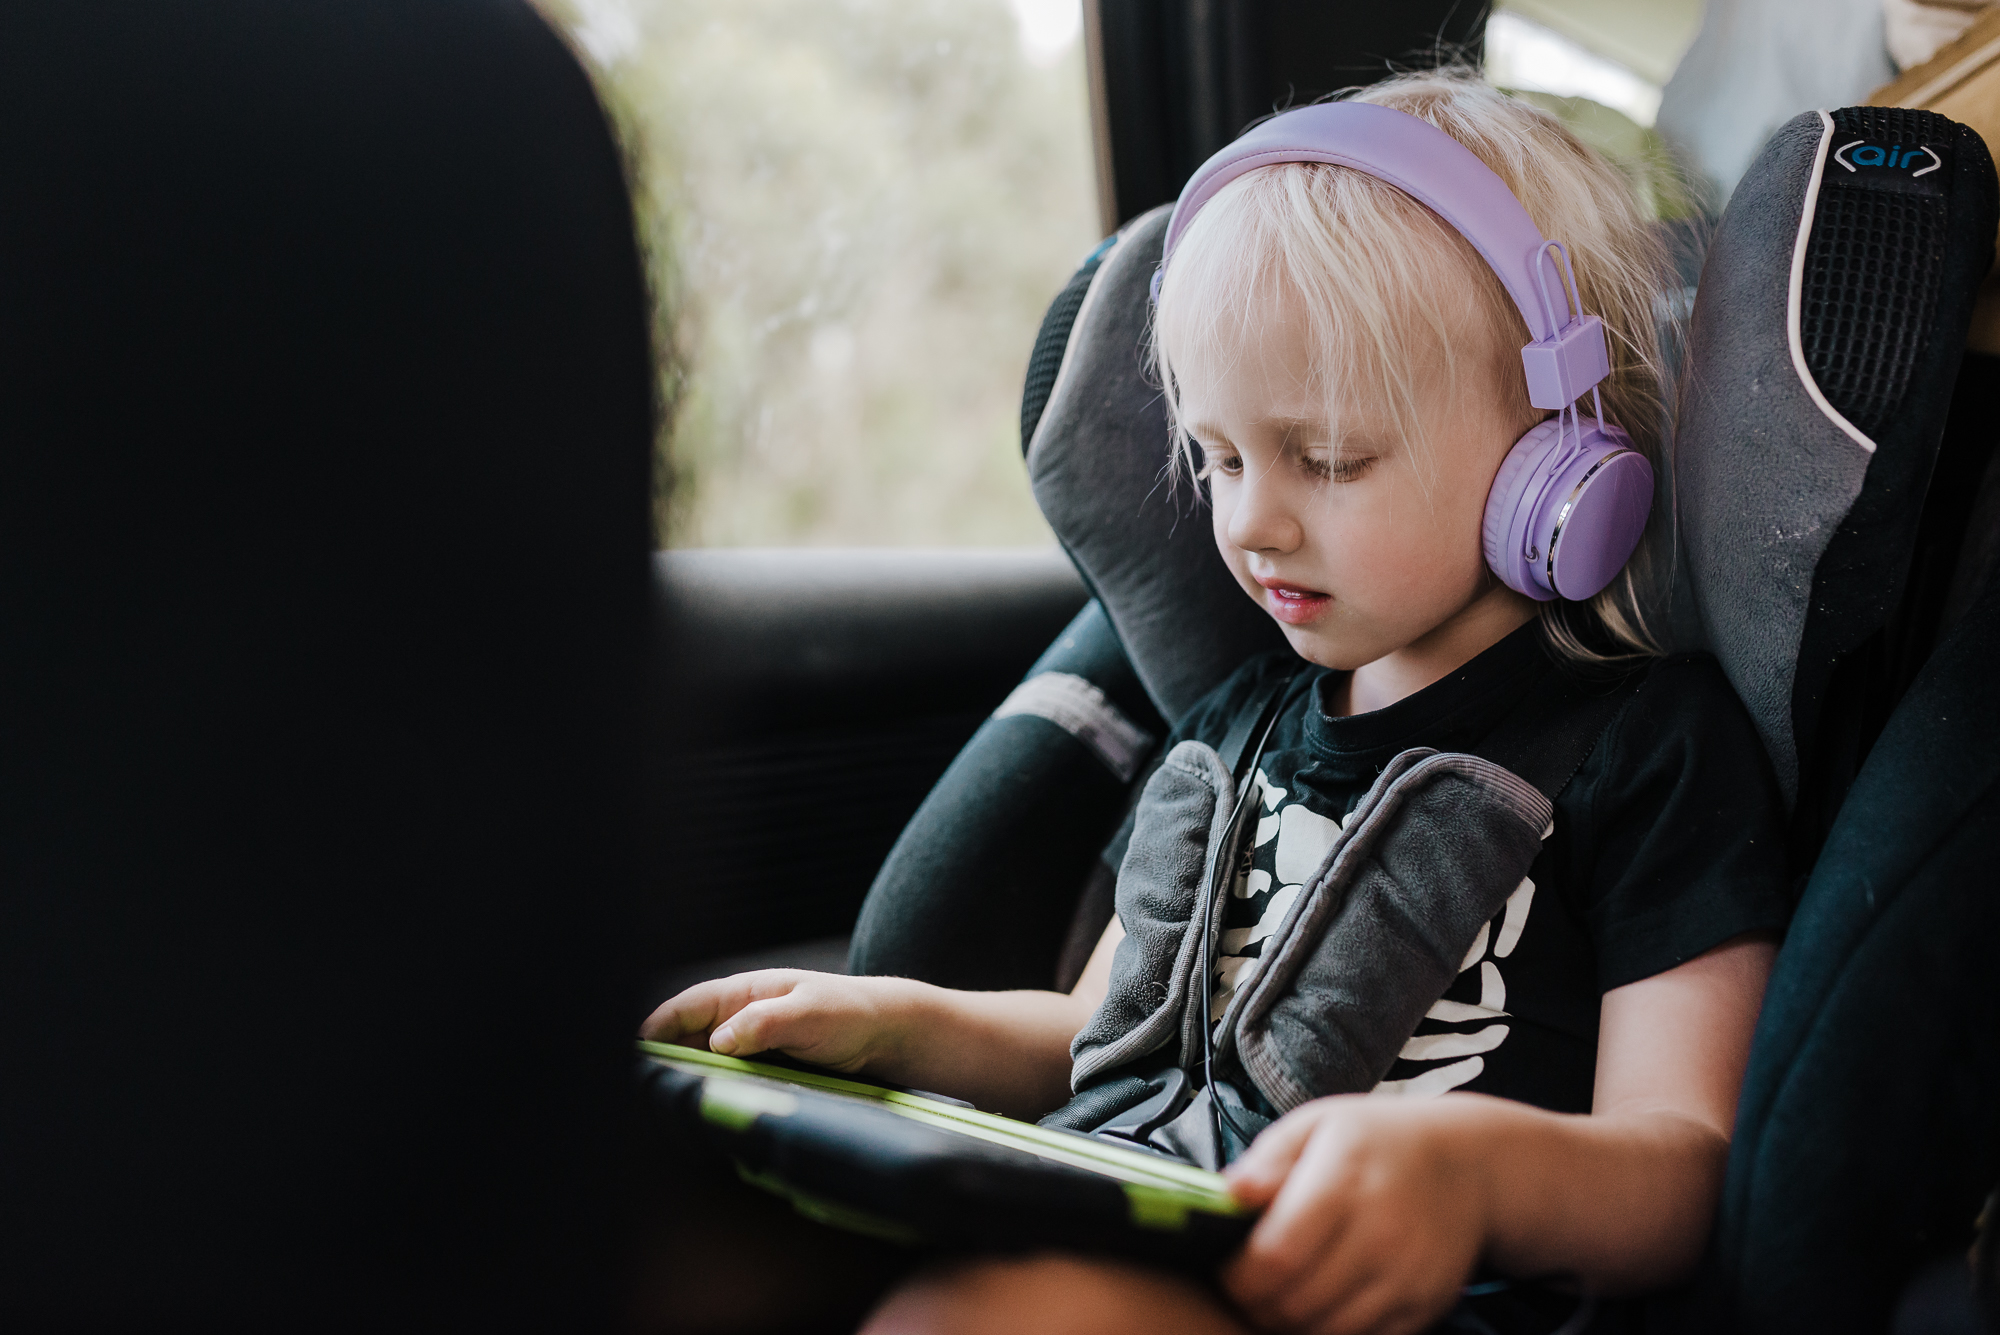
(1568, 366)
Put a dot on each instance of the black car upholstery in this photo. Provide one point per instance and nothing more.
(325, 450)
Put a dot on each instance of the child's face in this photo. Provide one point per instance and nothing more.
(1364, 552)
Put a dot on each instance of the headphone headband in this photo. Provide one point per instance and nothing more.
(1567, 356)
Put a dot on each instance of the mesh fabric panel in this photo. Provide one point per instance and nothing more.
(1872, 273)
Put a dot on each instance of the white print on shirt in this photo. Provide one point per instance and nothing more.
(1461, 1050)
(1303, 840)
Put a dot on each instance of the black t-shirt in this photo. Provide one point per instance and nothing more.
(1669, 840)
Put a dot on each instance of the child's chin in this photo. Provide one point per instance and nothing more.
(1319, 648)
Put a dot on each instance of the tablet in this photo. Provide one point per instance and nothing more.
(923, 1170)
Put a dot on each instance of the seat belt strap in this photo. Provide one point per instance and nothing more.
(1253, 723)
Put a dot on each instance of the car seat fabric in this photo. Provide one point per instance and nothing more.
(982, 889)
(1824, 342)
(325, 445)
(1052, 341)
(982, 885)
(1869, 1127)
(1142, 540)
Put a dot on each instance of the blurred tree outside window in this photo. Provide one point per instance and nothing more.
(856, 212)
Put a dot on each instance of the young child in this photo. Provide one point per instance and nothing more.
(1346, 370)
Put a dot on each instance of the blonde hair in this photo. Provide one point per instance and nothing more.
(1381, 311)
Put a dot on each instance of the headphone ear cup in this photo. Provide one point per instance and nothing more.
(1596, 514)
(1510, 509)
(1564, 516)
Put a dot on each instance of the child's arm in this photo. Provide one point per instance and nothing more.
(1378, 1208)
(1005, 1051)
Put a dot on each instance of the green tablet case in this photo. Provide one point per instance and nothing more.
(923, 1170)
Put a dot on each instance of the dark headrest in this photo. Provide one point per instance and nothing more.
(1822, 350)
(1099, 461)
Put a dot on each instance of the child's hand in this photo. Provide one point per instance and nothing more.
(828, 1019)
(1373, 1220)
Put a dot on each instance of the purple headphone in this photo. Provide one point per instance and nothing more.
(1570, 501)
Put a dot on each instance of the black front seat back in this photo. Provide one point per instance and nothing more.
(324, 449)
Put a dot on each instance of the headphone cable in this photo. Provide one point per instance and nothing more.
(1219, 1116)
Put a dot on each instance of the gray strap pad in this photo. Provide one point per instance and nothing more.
(1378, 934)
(1177, 833)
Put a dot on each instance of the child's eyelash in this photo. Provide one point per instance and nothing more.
(1344, 469)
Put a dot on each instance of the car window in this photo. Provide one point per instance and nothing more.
(1602, 69)
(856, 212)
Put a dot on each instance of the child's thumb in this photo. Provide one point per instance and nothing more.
(758, 1027)
(1255, 1178)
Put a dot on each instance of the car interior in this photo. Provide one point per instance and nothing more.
(369, 772)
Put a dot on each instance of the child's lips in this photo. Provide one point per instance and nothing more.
(1293, 604)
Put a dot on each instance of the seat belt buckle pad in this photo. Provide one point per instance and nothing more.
(1380, 931)
(1568, 365)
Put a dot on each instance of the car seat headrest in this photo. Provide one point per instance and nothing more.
(1823, 345)
(1142, 540)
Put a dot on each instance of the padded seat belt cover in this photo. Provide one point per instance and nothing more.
(1379, 932)
(1436, 845)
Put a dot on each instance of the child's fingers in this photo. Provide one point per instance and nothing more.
(760, 1027)
(1303, 1226)
(1347, 1281)
(700, 1008)
(1256, 1176)
(684, 1013)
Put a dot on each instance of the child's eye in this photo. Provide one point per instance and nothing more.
(1346, 468)
(1226, 462)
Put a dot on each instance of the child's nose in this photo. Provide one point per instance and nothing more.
(1264, 519)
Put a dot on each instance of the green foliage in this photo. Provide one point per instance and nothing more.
(856, 211)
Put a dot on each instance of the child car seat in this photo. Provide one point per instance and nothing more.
(1820, 569)
(1828, 475)
(1826, 354)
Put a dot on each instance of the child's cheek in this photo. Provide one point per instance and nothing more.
(1233, 556)
(1403, 565)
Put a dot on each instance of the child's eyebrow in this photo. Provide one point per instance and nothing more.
(1310, 428)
